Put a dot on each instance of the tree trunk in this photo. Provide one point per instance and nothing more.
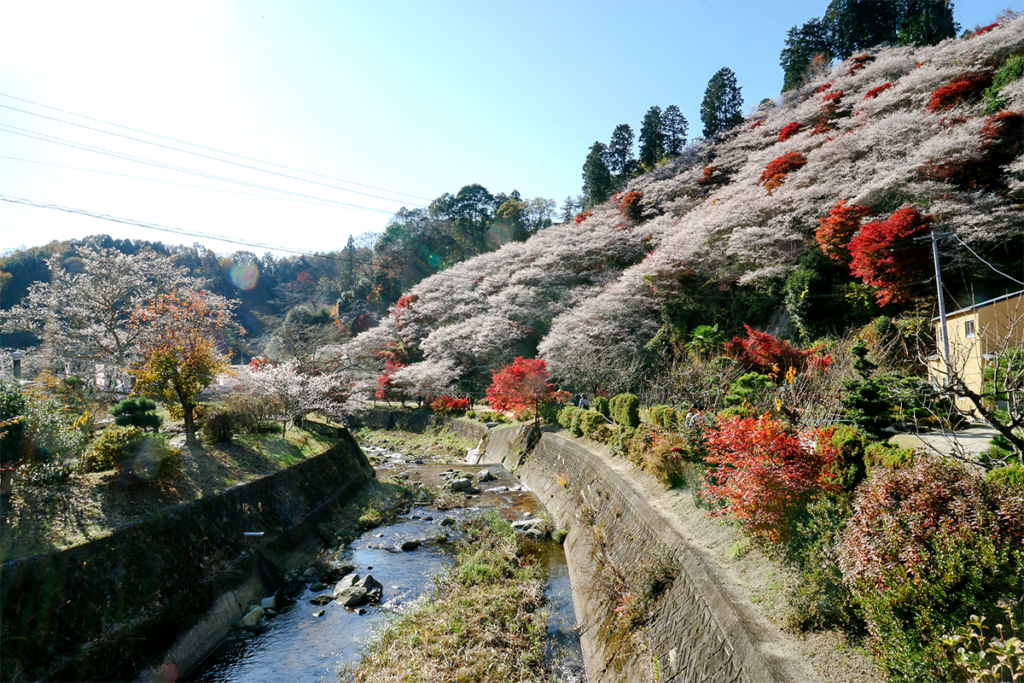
(187, 410)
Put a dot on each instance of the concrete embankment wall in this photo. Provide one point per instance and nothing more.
(173, 582)
(694, 633)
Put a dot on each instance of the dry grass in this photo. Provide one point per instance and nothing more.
(485, 623)
(442, 447)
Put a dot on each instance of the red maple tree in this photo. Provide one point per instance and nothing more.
(789, 130)
(521, 386)
(770, 355)
(837, 229)
(885, 255)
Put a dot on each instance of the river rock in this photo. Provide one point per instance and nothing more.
(461, 485)
(310, 571)
(269, 603)
(485, 475)
(269, 613)
(345, 583)
(252, 618)
(409, 545)
(318, 613)
(360, 611)
(497, 489)
(337, 570)
(524, 524)
(370, 583)
(535, 533)
(352, 596)
(321, 600)
(448, 521)
(317, 586)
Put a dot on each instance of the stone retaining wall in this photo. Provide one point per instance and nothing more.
(105, 609)
(694, 633)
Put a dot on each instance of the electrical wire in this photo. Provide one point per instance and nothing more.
(53, 139)
(957, 238)
(209, 149)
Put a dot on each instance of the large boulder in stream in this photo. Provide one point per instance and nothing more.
(252, 618)
(346, 583)
(352, 596)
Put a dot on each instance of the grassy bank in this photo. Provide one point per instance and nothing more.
(48, 512)
(485, 622)
(444, 446)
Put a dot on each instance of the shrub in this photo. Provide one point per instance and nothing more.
(549, 411)
(960, 89)
(521, 386)
(928, 546)
(221, 424)
(569, 419)
(630, 205)
(837, 229)
(789, 130)
(625, 410)
(152, 459)
(655, 450)
(580, 217)
(880, 454)
(663, 416)
(256, 414)
(766, 472)
(109, 447)
(1011, 70)
(875, 92)
(13, 408)
(590, 421)
(449, 405)
(600, 405)
(849, 467)
(778, 168)
(137, 411)
(1011, 477)
(471, 414)
(768, 355)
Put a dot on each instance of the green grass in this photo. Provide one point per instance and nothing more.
(485, 622)
(444, 446)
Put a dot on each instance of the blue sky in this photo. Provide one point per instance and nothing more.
(418, 98)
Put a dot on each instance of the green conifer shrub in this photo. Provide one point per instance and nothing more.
(625, 410)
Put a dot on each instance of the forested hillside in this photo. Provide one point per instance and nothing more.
(803, 219)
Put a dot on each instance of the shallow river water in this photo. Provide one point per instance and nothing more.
(297, 647)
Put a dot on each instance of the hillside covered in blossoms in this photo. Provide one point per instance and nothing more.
(802, 220)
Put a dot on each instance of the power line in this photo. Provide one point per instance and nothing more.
(957, 238)
(192, 144)
(53, 139)
(166, 182)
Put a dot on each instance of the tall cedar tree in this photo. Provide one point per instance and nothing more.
(652, 141)
(620, 149)
(803, 44)
(722, 107)
(178, 358)
(674, 128)
(597, 179)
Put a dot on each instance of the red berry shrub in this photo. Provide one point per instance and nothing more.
(960, 89)
(778, 168)
(768, 355)
(789, 130)
(629, 206)
(875, 92)
(926, 547)
(449, 405)
(837, 229)
(765, 473)
(885, 255)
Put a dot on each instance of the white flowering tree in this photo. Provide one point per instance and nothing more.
(291, 394)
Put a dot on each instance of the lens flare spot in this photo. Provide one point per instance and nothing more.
(244, 276)
(434, 260)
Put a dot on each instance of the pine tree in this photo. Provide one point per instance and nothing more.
(597, 179)
(723, 103)
(674, 127)
(620, 149)
(855, 25)
(803, 44)
(652, 145)
(926, 22)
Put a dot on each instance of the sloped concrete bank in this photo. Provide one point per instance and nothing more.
(166, 588)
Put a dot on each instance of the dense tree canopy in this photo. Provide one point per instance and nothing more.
(722, 107)
(597, 179)
(652, 138)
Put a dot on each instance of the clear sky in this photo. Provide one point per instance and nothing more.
(418, 98)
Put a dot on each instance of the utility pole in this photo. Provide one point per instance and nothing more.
(942, 305)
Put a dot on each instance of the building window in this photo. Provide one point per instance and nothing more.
(969, 328)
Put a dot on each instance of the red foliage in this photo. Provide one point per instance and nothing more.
(859, 62)
(755, 124)
(885, 255)
(303, 277)
(521, 386)
(401, 306)
(958, 90)
(385, 386)
(765, 472)
(823, 88)
(629, 206)
(709, 175)
(770, 355)
(837, 229)
(259, 362)
(875, 92)
(789, 130)
(1002, 141)
(782, 166)
(985, 29)
(449, 405)
(833, 97)
(580, 217)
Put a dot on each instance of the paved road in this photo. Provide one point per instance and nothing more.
(973, 440)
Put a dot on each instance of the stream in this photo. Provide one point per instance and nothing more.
(297, 647)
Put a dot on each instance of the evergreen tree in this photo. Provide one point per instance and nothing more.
(620, 150)
(723, 103)
(674, 127)
(597, 179)
(569, 210)
(652, 145)
(803, 44)
(855, 25)
(926, 22)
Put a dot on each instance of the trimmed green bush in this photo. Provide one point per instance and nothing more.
(851, 445)
(590, 421)
(137, 411)
(663, 416)
(625, 410)
(1011, 476)
(221, 424)
(600, 405)
(883, 455)
(110, 447)
(549, 411)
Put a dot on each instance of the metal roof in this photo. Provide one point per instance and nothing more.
(983, 304)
